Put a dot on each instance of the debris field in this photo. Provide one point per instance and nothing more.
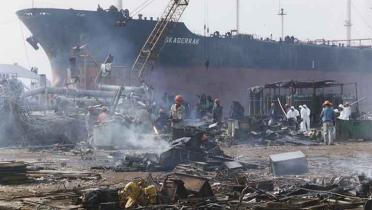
(59, 178)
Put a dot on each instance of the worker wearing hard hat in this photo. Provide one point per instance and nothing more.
(177, 115)
(328, 117)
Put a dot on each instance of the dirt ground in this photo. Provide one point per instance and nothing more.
(341, 159)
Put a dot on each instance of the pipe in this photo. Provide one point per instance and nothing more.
(70, 92)
(108, 92)
(127, 89)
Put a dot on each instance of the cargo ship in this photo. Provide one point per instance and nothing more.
(222, 65)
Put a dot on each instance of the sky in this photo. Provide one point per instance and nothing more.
(305, 19)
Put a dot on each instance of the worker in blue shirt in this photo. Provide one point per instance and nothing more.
(328, 118)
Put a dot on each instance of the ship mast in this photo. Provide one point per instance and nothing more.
(282, 14)
(348, 23)
(120, 4)
(237, 16)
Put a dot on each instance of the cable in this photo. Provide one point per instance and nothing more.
(141, 7)
(361, 17)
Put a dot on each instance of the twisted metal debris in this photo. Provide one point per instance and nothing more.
(19, 127)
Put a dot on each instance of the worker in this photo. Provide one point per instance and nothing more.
(328, 117)
(177, 115)
(61, 107)
(236, 111)
(217, 111)
(273, 114)
(292, 115)
(103, 116)
(303, 114)
(307, 117)
(345, 112)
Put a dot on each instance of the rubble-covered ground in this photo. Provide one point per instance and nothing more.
(58, 173)
(341, 159)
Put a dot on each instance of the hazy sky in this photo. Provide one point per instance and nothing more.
(306, 19)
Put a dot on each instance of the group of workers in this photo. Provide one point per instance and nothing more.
(303, 116)
(328, 117)
(300, 119)
(177, 116)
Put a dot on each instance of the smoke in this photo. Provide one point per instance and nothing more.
(133, 130)
(131, 139)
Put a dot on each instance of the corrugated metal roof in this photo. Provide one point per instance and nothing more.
(303, 84)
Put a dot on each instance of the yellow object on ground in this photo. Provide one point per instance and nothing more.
(132, 193)
(151, 194)
(135, 194)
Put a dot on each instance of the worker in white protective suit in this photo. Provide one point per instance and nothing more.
(345, 112)
(306, 118)
(303, 113)
(292, 115)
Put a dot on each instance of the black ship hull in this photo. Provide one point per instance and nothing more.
(222, 66)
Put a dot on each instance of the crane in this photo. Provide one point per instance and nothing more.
(151, 49)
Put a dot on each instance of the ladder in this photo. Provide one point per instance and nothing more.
(151, 49)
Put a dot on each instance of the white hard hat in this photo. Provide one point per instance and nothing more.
(300, 106)
(304, 105)
(341, 106)
(292, 107)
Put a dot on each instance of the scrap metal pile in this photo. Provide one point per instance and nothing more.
(195, 188)
(256, 131)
